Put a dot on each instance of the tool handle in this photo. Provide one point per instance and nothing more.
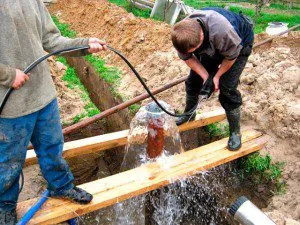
(208, 87)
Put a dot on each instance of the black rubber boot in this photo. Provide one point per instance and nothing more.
(234, 142)
(191, 101)
(75, 194)
(8, 218)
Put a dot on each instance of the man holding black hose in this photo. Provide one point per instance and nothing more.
(31, 112)
(216, 43)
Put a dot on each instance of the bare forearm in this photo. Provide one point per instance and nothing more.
(225, 66)
(196, 66)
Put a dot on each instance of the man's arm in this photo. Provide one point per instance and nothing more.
(196, 66)
(7, 75)
(224, 67)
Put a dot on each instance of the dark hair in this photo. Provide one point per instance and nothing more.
(186, 35)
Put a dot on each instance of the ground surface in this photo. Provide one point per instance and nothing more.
(269, 84)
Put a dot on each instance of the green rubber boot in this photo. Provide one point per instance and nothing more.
(191, 101)
(8, 218)
(233, 117)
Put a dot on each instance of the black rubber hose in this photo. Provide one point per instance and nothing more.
(34, 64)
(38, 61)
(189, 113)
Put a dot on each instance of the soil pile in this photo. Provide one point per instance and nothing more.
(269, 84)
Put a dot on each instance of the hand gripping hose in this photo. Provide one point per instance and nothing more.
(38, 61)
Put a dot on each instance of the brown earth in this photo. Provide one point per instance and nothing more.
(269, 84)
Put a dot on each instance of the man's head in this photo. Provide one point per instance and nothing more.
(187, 35)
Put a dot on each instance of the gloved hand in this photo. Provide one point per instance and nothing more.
(208, 88)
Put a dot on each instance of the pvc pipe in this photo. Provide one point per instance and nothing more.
(72, 221)
(246, 213)
(25, 219)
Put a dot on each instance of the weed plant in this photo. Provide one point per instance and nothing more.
(262, 170)
(217, 129)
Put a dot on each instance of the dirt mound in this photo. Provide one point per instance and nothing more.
(269, 84)
(135, 37)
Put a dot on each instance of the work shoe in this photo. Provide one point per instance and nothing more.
(235, 139)
(75, 194)
(8, 218)
(191, 102)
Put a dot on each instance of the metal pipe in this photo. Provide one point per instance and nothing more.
(246, 213)
(156, 137)
(30, 213)
(121, 106)
(271, 38)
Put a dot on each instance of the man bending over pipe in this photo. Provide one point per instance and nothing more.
(31, 113)
(215, 42)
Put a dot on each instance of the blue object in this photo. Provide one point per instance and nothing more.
(72, 221)
(44, 130)
(25, 219)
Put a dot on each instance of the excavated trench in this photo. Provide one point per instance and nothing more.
(212, 192)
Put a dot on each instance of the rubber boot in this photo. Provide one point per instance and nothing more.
(75, 194)
(8, 218)
(234, 142)
(191, 101)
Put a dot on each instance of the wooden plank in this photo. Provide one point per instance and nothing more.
(128, 184)
(117, 139)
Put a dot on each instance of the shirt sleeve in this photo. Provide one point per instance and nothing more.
(225, 39)
(7, 75)
(52, 38)
(185, 56)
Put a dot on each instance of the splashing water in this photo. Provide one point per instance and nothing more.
(197, 200)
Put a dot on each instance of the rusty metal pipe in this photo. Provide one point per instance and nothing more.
(156, 138)
(119, 107)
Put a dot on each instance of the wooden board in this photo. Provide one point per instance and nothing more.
(122, 186)
(117, 139)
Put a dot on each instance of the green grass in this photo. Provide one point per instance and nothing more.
(265, 18)
(217, 129)
(129, 8)
(64, 28)
(261, 23)
(73, 82)
(262, 169)
(283, 6)
(134, 108)
(111, 75)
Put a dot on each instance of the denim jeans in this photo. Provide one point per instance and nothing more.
(44, 130)
(230, 98)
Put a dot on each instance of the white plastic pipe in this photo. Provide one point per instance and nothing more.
(246, 213)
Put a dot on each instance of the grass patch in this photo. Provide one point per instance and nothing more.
(134, 108)
(130, 8)
(262, 21)
(74, 82)
(262, 169)
(64, 28)
(217, 129)
(112, 75)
